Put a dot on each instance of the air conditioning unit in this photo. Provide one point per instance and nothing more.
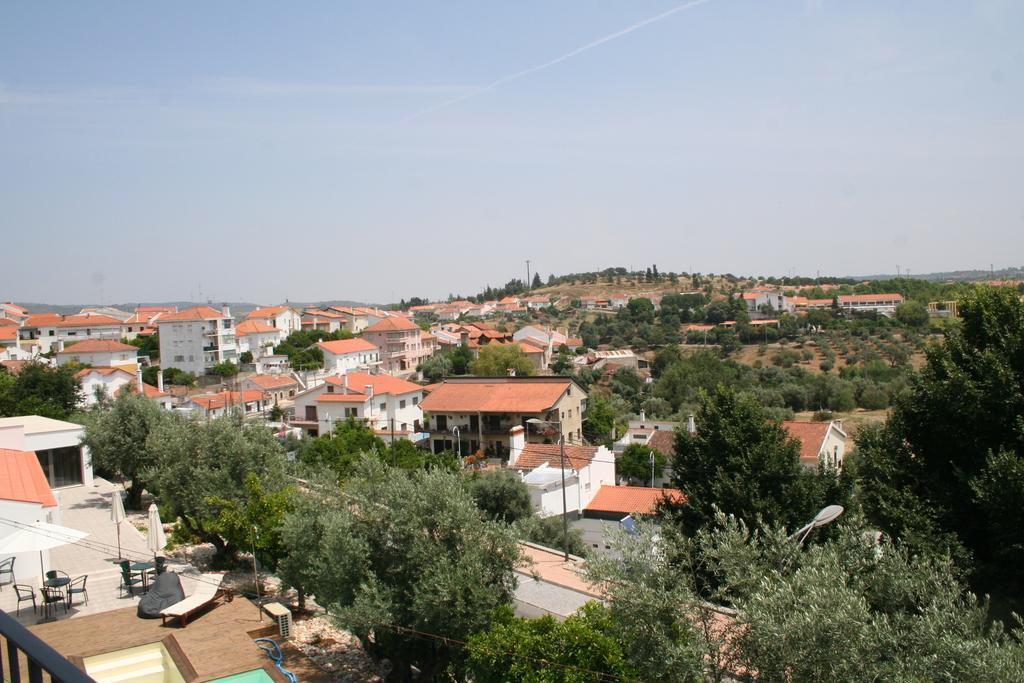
(283, 616)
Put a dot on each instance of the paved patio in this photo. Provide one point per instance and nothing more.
(87, 508)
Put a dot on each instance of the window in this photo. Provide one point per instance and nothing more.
(179, 359)
(405, 426)
(351, 412)
(415, 400)
(383, 407)
(330, 388)
(441, 422)
(401, 404)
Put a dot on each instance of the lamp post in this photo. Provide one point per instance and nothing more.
(458, 441)
(561, 457)
(826, 515)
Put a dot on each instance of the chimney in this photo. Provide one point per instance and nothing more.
(138, 380)
(344, 381)
(516, 443)
(691, 424)
(225, 310)
(60, 345)
(643, 417)
(369, 390)
(160, 380)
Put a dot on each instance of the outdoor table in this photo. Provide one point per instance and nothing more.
(143, 568)
(57, 582)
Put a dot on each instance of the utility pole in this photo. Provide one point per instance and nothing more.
(652, 469)
(565, 512)
(527, 274)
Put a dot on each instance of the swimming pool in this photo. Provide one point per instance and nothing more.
(252, 676)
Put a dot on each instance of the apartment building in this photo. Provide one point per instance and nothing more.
(401, 346)
(485, 409)
(105, 353)
(196, 339)
(387, 403)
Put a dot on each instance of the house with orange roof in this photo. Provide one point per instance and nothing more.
(106, 353)
(344, 355)
(50, 330)
(586, 470)
(283, 318)
(485, 409)
(25, 498)
(400, 343)
(142, 321)
(322, 319)
(884, 304)
(618, 300)
(278, 388)
(257, 337)
(820, 442)
(246, 403)
(386, 403)
(615, 502)
(102, 381)
(763, 303)
(57, 445)
(196, 339)
(12, 311)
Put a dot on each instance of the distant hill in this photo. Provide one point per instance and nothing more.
(957, 275)
(238, 308)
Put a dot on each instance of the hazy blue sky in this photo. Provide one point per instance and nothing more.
(260, 151)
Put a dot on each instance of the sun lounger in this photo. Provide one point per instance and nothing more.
(207, 591)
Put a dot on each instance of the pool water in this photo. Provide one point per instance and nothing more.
(253, 676)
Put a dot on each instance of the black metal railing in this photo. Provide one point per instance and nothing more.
(17, 642)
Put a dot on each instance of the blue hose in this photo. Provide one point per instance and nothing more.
(273, 651)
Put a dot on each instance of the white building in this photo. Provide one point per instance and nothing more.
(387, 403)
(881, 303)
(48, 329)
(283, 318)
(105, 353)
(278, 388)
(196, 339)
(257, 337)
(767, 304)
(587, 469)
(345, 355)
(108, 381)
(25, 498)
(820, 442)
(58, 444)
(246, 402)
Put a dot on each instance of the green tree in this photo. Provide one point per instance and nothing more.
(245, 358)
(537, 283)
(744, 464)
(435, 368)
(254, 520)
(600, 421)
(912, 314)
(179, 377)
(404, 550)
(224, 369)
(582, 648)
(461, 358)
(550, 533)
(635, 464)
(952, 449)
(496, 360)
(198, 465)
(118, 439)
(501, 495)
(342, 448)
(41, 390)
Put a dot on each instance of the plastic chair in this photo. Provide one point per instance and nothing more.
(25, 594)
(7, 567)
(128, 579)
(53, 596)
(77, 585)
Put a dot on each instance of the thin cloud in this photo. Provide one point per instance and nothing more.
(252, 87)
(557, 60)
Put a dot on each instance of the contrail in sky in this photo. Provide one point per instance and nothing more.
(557, 60)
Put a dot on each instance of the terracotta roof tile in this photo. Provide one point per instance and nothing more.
(267, 312)
(340, 347)
(8, 333)
(393, 324)
(663, 441)
(382, 384)
(536, 454)
(97, 346)
(194, 313)
(225, 398)
(247, 327)
(627, 500)
(272, 381)
(22, 479)
(811, 436)
(496, 395)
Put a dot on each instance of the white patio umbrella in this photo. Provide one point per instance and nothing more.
(156, 539)
(117, 516)
(36, 537)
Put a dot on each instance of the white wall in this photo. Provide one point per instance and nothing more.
(26, 565)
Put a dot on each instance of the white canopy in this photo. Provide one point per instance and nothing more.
(156, 539)
(36, 537)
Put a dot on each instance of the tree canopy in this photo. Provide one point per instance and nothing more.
(40, 390)
(495, 360)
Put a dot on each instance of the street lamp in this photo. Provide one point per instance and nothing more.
(561, 453)
(826, 515)
(458, 441)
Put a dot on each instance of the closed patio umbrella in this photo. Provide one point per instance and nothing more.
(36, 537)
(156, 539)
(117, 516)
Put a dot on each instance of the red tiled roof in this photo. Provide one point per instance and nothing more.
(319, 313)
(627, 500)
(7, 322)
(811, 436)
(97, 346)
(528, 348)
(247, 327)
(340, 347)
(392, 324)
(14, 366)
(22, 479)
(148, 389)
(536, 454)
(382, 384)
(106, 372)
(267, 312)
(495, 395)
(272, 381)
(194, 313)
(8, 333)
(43, 320)
(663, 441)
(854, 298)
(156, 309)
(87, 321)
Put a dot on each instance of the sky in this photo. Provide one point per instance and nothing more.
(262, 152)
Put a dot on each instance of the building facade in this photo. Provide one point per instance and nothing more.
(196, 339)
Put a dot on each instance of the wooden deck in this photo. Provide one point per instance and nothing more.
(218, 641)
